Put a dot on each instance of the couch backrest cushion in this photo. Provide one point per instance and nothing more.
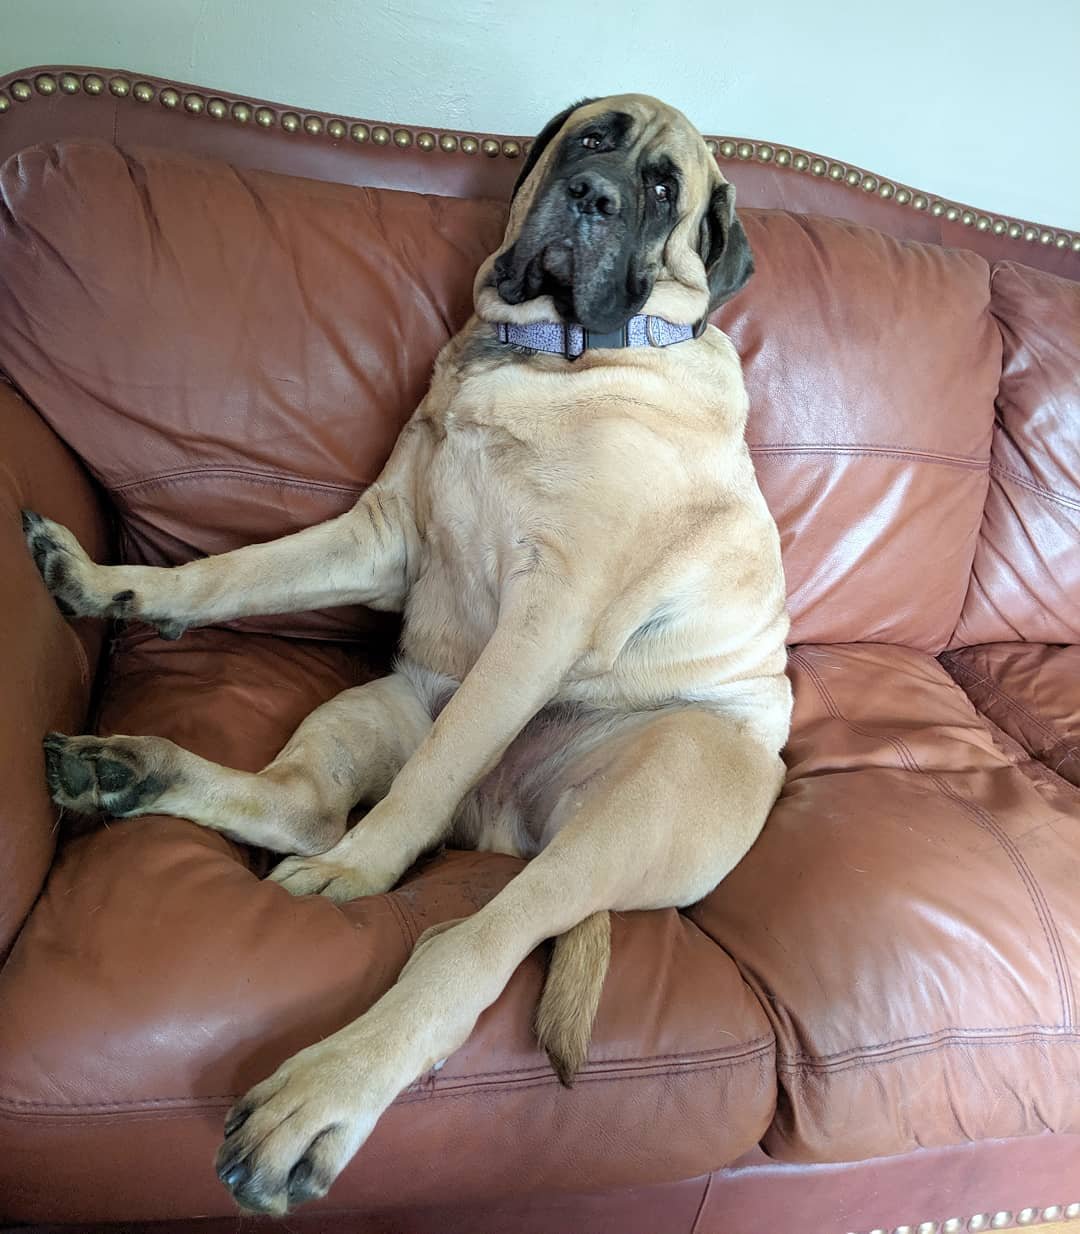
(233, 352)
(1025, 583)
(872, 365)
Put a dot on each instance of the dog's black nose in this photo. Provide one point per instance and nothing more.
(592, 194)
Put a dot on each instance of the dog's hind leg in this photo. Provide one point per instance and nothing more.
(347, 751)
(675, 807)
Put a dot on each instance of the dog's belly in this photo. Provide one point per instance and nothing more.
(512, 809)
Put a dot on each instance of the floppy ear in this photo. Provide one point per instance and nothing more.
(543, 140)
(725, 249)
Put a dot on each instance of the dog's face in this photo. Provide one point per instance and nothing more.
(619, 208)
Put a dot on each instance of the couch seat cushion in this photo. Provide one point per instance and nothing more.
(909, 920)
(158, 977)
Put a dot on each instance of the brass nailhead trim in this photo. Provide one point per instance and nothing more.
(46, 84)
(980, 1222)
(728, 148)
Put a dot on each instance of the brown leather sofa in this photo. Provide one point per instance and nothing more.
(873, 1024)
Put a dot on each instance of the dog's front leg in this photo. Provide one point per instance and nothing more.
(541, 632)
(366, 556)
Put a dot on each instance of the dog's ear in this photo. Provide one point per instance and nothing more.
(724, 248)
(543, 140)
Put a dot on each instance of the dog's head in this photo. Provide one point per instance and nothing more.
(619, 208)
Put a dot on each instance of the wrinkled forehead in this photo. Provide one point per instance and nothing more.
(647, 126)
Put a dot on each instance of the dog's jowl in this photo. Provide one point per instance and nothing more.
(592, 656)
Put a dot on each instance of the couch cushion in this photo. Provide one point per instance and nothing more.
(871, 365)
(157, 977)
(908, 919)
(233, 352)
(1025, 583)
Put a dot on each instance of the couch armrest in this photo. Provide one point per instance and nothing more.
(46, 665)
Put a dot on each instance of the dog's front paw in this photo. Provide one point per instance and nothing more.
(338, 881)
(292, 1135)
(63, 565)
(79, 586)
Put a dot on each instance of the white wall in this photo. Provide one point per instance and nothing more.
(975, 101)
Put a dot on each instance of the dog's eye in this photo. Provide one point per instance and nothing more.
(662, 191)
(591, 141)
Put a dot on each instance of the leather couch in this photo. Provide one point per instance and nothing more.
(873, 1023)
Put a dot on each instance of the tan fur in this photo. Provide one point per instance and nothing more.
(593, 596)
(571, 995)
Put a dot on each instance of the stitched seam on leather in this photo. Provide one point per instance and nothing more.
(1036, 768)
(987, 823)
(979, 679)
(245, 473)
(754, 1046)
(943, 1036)
(690, 1064)
(406, 922)
(858, 451)
(1070, 503)
(901, 1055)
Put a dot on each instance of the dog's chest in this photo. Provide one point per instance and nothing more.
(479, 499)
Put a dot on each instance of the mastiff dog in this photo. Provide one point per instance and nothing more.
(591, 670)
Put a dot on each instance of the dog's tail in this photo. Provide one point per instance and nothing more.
(575, 976)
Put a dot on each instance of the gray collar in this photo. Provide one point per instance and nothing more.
(567, 338)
